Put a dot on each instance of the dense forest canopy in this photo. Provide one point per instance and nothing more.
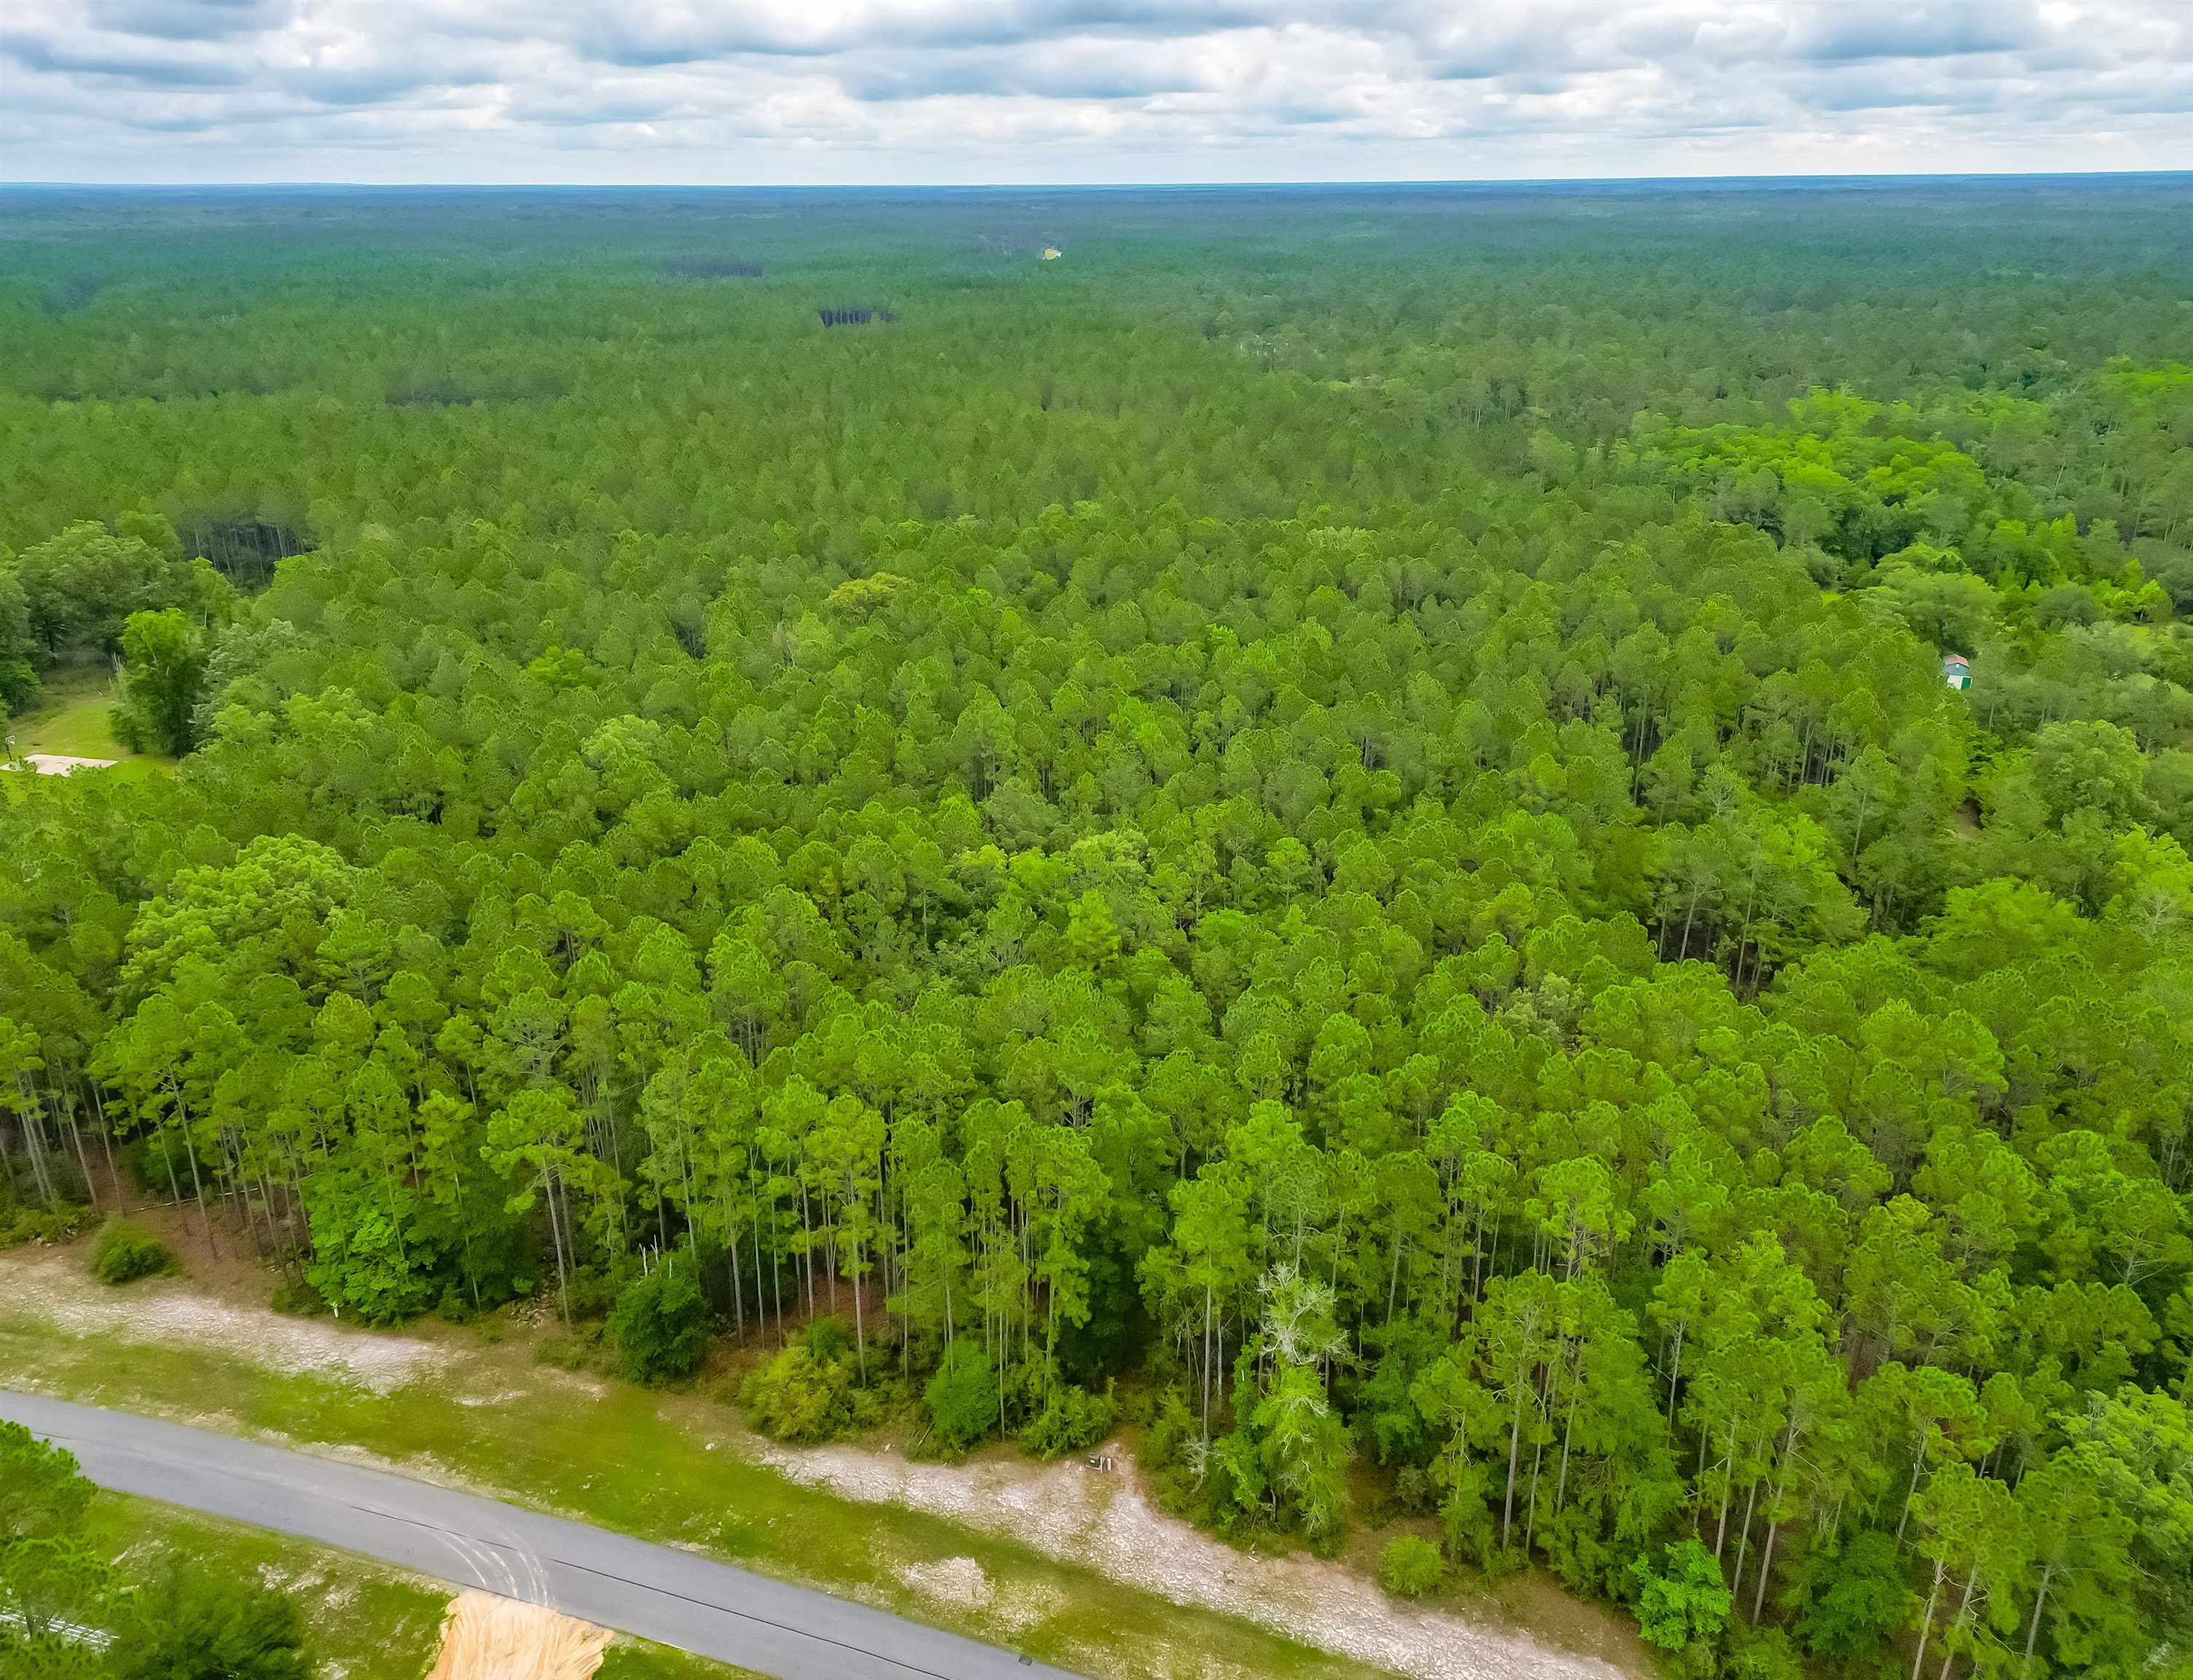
(1337, 810)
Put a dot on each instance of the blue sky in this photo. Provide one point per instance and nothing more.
(960, 91)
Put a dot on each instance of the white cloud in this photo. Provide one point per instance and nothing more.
(978, 90)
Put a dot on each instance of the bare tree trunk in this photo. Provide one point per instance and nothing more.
(1926, 1623)
(34, 1149)
(1514, 1440)
(1727, 1488)
(107, 1145)
(83, 1163)
(197, 1188)
(1207, 1304)
(1964, 1604)
(1766, 1571)
(556, 1239)
(1744, 1534)
(1918, 1463)
(2033, 1627)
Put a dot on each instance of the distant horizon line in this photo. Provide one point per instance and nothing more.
(1792, 179)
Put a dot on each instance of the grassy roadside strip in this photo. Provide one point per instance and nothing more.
(643, 1463)
(367, 1621)
(637, 1660)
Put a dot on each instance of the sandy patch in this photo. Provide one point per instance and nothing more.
(1077, 1516)
(962, 1584)
(578, 1382)
(489, 1638)
(60, 763)
(951, 1580)
(52, 1285)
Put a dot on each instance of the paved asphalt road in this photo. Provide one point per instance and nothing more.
(655, 1591)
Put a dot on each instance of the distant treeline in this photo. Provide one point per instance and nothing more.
(711, 268)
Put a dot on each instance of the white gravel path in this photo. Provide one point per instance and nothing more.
(171, 1312)
(1103, 1522)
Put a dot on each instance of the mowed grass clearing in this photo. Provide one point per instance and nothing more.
(72, 714)
(73, 717)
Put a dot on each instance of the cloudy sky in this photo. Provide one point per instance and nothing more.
(835, 91)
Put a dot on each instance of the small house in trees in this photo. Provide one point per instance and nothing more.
(1957, 670)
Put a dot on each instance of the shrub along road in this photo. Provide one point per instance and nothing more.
(654, 1591)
